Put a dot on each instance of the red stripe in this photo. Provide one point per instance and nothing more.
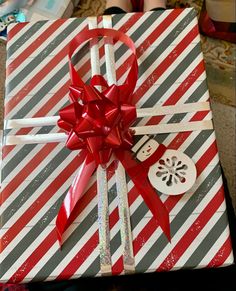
(207, 157)
(160, 29)
(79, 259)
(37, 78)
(180, 91)
(182, 136)
(15, 29)
(34, 45)
(118, 267)
(44, 197)
(26, 171)
(163, 66)
(151, 226)
(222, 255)
(54, 186)
(193, 231)
(34, 258)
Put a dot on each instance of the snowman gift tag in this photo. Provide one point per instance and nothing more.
(174, 174)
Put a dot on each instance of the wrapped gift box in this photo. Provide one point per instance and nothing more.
(36, 177)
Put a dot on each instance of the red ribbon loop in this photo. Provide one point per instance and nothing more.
(99, 124)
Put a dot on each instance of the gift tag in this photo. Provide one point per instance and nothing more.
(174, 174)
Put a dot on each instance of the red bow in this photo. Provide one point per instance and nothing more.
(99, 124)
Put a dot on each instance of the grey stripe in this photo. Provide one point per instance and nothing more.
(177, 222)
(24, 37)
(45, 89)
(170, 80)
(135, 36)
(208, 242)
(117, 18)
(177, 118)
(33, 185)
(30, 237)
(42, 55)
(82, 228)
(198, 142)
(21, 154)
(161, 47)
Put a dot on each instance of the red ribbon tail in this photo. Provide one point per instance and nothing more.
(151, 198)
(74, 195)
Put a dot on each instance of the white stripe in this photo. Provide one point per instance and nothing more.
(215, 248)
(37, 193)
(159, 40)
(230, 260)
(180, 102)
(65, 42)
(186, 225)
(43, 234)
(40, 66)
(167, 73)
(20, 33)
(39, 49)
(200, 237)
(198, 182)
(85, 265)
(56, 86)
(26, 160)
(25, 254)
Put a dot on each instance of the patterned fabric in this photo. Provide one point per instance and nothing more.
(36, 177)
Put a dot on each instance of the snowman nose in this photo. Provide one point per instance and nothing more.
(148, 150)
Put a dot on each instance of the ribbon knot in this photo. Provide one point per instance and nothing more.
(98, 121)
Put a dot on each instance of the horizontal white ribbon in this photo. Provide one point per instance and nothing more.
(141, 130)
(142, 112)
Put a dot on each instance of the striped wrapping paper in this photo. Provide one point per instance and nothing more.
(36, 177)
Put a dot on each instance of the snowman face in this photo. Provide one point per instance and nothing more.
(147, 150)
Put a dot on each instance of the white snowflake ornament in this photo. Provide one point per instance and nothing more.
(174, 174)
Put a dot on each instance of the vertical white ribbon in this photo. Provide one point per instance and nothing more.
(121, 184)
(102, 188)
